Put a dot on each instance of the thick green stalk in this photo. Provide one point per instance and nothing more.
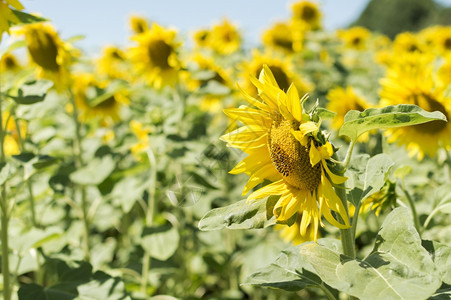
(150, 211)
(79, 162)
(347, 239)
(4, 219)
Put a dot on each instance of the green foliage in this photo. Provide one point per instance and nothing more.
(31, 92)
(356, 123)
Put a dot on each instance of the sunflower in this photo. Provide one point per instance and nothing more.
(51, 55)
(343, 100)
(306, 14)
(225, 38)
(113, 63)
(155, 56)
(292, 234)
(138, 24)
(7, 16)
(408, 42)
(285, 147)
(280, 68)
(355, 37)
(95, 102)
(202, 37)
(411, 81)
(211, 73)
(9, 62)
(282, 36)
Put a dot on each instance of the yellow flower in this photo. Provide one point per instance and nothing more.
(283, 147)
(8, 62)
(138, 24)
(155, 56)
(343, 100)
(306, 14)
(142, 133)
(88, 92)
(280, 68)
(407, 42)
(202, 37)
(292, 234)
(7, 16)
(282, 36)
(113, 63)
(385, 198)
(411, 81)
(355, 37)
(225, 38)
(51, 55)
(11, 138)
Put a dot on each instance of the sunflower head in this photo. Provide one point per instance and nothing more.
(8, 63)
(11, 138)
(411, 81)
(282, 36)
(408, 42)
(286, 146)
(307, 13)
(202, 37)
(355, 37)
(113, 63)
(225, 38)
(155, 56)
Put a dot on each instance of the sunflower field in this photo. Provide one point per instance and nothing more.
(313, 166)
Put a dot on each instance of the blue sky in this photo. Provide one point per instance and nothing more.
(105, 22)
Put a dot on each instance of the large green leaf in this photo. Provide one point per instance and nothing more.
(75, 281)
(398, 268)
(95, 172)
(240, 215)
(441, 254)
(357, 123)
(290, 271)
(25, 18)
(31, 92)
(160, 242)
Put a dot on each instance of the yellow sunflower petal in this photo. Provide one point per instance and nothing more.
(336, 179)
(315, 155)
(275, 188)
(294, 103)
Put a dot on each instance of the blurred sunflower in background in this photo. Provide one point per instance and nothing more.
(282, 36)
(355, 37)
(52, 55)
(280, 67)
(225, 38)
(95, 102)
(201, 37)
(155, 56)
(285, 147)
(306, 14)
(9, 63)
(412, 81)
(142, 133)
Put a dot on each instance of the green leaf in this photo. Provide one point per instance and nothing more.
(441, 254)
(357, 123)
(160, 242)
(370, 180)
(32, 92)
(25, 18)
(398, 268)
(323, 113)
(288, 272)
(127, 191)
(95, 172)
(442, 294)
(240, 215)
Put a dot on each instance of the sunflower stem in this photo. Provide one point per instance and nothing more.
(4, 217)
(150, 211)
(80, 163)
(416, 220)
(326, 291)
(347, 159)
